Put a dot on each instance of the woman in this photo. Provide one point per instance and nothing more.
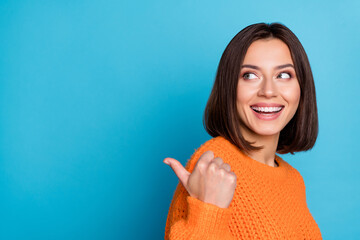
(262, 103)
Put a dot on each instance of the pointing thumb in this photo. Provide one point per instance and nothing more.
(179, 170)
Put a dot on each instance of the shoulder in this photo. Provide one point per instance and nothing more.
(218, 145)
(293, 172)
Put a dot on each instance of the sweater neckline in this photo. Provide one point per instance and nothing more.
(259, 167)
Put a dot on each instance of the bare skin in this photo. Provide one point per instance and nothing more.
(211, 181)
(267, 75)
(261, 80)
(267, 154)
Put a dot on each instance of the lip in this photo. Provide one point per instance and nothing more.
(262, 104)
(267, 117)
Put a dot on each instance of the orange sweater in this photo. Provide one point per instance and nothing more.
(269, 202)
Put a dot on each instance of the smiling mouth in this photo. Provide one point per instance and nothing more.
(267, 110)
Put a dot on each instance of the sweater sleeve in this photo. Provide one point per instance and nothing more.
(193, 219)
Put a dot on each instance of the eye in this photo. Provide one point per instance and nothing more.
(249, 76)
(284, 75)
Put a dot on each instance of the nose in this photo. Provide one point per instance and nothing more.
(268, 88)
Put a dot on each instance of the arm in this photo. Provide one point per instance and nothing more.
(191, 218)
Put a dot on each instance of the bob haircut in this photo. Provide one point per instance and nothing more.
(221, 117)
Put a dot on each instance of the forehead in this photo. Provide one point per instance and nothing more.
(268, 52)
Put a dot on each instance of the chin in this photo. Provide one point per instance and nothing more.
(266, 132)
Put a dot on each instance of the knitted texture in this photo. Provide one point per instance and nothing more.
(269, 202)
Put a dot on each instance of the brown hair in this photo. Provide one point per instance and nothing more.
(221, 117)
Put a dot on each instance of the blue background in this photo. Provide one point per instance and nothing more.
(95, 94)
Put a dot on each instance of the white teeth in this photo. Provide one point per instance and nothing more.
(267, 109)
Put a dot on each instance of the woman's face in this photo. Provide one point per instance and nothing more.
(268, 92)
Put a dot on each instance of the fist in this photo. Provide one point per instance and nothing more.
(211, 181)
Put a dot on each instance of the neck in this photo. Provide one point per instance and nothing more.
(269, 143)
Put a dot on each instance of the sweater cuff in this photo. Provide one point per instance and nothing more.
(207, 218)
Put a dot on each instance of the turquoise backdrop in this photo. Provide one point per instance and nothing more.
(95, 94)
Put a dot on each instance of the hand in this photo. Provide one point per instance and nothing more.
(211, 180)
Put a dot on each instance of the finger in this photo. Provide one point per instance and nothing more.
(204, 161)
(218, 161)
(179, 170)
(226, 167)
(213, 168)
(206, 157)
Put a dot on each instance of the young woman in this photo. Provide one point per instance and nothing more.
(262, 103)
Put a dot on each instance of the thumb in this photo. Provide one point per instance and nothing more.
(179, 170)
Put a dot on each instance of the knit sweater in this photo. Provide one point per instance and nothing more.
(268, 203)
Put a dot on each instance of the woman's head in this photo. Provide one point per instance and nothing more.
(226, 112)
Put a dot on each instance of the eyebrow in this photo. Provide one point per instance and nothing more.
(277, 67)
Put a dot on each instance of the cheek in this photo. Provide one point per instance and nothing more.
(245, 93)
(241, 100)
(292, 95)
